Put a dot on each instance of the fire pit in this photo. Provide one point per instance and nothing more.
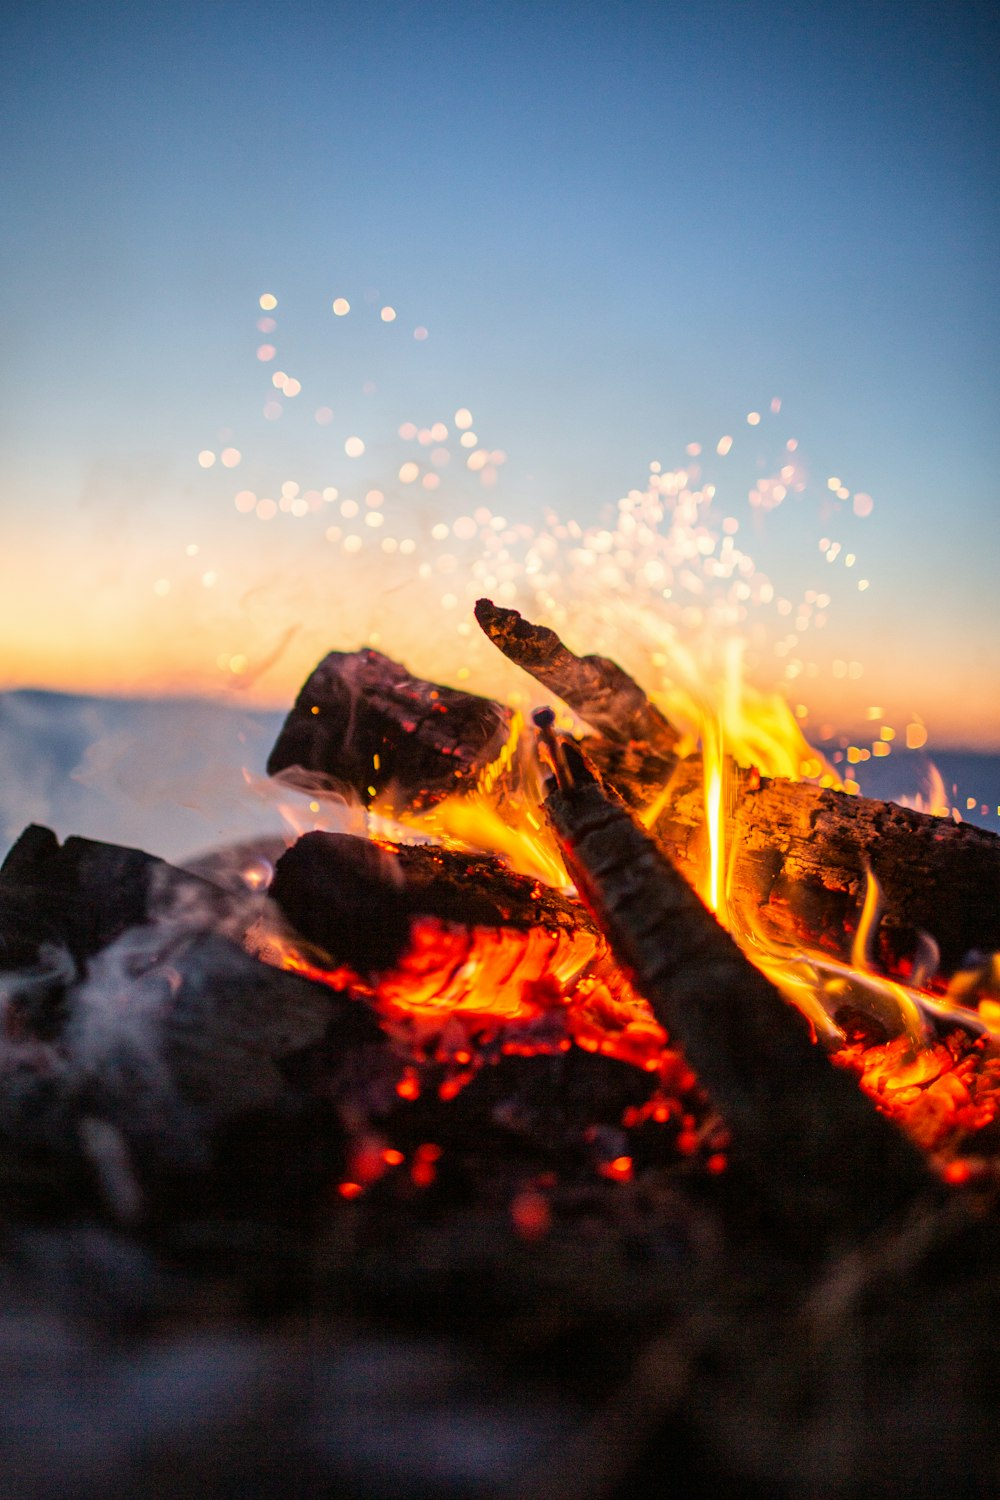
(475, 1156)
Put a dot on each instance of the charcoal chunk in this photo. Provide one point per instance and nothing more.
(83, 894)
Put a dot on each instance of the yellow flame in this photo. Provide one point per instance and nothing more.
(714, 772)
(821, 986)
(521, 836)
(934, 798)
(709, 685)
(862, 948)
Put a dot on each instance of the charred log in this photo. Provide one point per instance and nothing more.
(473, 961)
(356, 900)
(363, 722)
(821, 1151)
(140, 1045)
(82, 894)
(594, 687)
(799, 855)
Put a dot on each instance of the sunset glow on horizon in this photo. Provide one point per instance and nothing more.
(276, 395)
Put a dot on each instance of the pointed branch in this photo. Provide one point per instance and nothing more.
(594, 687)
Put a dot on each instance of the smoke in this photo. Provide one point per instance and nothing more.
(166, 776)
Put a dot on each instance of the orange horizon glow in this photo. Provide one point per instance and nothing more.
(145, 666)
(120, 602)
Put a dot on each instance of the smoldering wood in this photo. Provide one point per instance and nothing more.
(356, 900)
(82, 894)
(594, 687)
(363, 722)
(823, 1154)
(140, 1041)
(263, 1335)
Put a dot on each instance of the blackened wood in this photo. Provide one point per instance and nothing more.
(186, 1075)
(83, 894)
(596, 688)
(345, 896)
(834, 1167)
(363, 721)
(356, 900)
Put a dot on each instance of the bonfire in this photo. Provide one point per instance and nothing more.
(592, 1113)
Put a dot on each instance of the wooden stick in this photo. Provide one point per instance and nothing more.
(594, 687)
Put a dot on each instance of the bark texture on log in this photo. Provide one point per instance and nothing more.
(594, 687)
(356, 900)
(363, 721)
(833, 1166)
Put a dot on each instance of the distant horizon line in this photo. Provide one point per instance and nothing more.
(232, 699)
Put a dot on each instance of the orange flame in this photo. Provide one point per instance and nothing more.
(540, 988)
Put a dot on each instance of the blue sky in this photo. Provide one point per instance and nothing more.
(623, 226)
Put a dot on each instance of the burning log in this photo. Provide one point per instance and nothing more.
(818, 1147)
(356, 899)
(440, 939)
(595, 688)
(799, 857)
(364, 721)
(799, 854)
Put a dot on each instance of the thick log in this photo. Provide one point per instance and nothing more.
(799, 855)
(427, 933)
(363, 722)
(356, 900)
(834, 1168)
